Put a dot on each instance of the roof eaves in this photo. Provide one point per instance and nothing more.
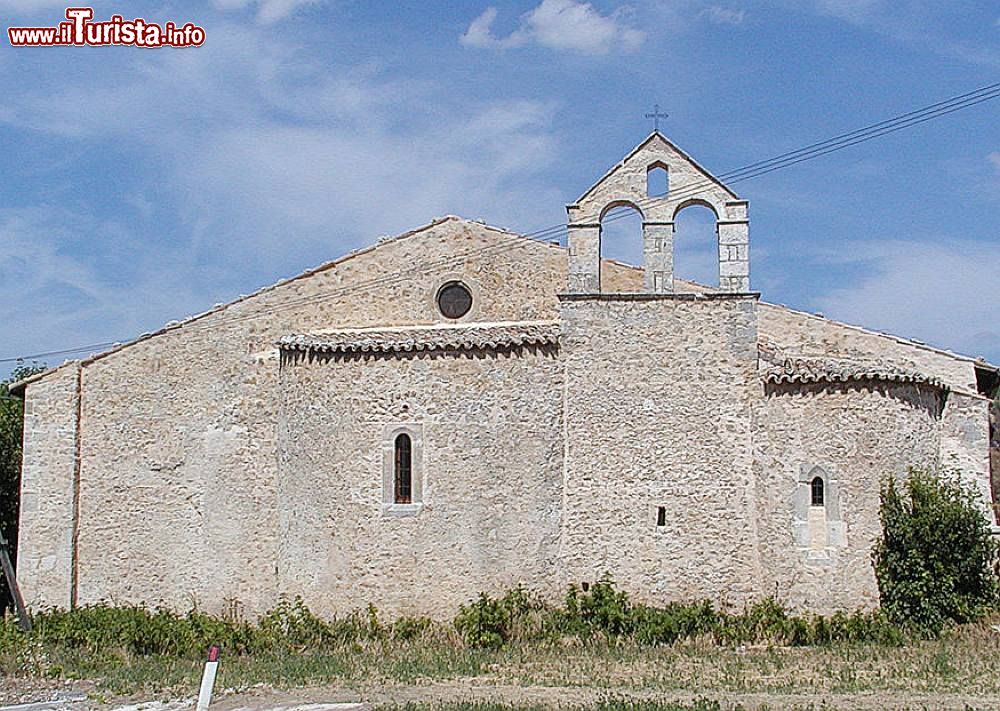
(406, 339)
(17, 387)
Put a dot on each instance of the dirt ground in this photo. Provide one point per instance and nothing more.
(14, 691)
(78, 696)
(562, 696)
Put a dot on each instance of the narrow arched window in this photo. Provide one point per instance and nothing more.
(817, 491)
(403, 490)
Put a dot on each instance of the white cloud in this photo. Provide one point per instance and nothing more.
(560, 25)
(944, 293)
(723, 16)
(268, 11)
(253, 153)
(928, 24)
(480, 33)
(55, 294)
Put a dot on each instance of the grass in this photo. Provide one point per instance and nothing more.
(595, 642)
(966, 660)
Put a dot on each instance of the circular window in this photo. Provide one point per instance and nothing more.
(454, 299)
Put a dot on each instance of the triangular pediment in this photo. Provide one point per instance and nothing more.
(656, 142)
(626, 184)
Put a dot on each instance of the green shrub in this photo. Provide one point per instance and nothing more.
(138, 631)
(652, 625)
(101, 636)
(485, 623)
(491, 622)
(292, 624)
(605, 612)
(934, 561)
(600, 609)
(605, 609)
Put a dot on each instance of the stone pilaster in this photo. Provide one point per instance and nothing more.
(658, 257)
(584, 258)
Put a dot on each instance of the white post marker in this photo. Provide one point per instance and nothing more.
(208, 678)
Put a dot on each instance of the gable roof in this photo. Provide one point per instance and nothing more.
(977, 362)
(18, 387)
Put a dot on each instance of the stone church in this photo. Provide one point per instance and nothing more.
(461, 409)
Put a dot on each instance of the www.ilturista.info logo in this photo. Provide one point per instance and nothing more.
(81, 31)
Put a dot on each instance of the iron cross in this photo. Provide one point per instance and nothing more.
(656, 116)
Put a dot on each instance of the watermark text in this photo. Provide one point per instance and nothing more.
(80, 30)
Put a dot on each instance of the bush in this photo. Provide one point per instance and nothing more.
(605, 613)
(491, 622)
(118, 635)
(668, 624)
(601, 609)
(934, 561)
(100, 629)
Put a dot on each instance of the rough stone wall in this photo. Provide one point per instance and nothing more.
(487, 431)
(659, 396)
(45, 552)
(964, 424)
(181, 499)
(178, 494)
(965, 444)
(853, 436)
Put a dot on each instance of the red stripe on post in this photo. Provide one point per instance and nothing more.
(213, 653)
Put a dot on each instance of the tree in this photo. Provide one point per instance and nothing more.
(935, 560)
(11, 431)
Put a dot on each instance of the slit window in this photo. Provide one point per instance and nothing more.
(403, 489)
(817, 491)
(661, 516)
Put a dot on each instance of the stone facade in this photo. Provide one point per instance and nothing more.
(658, 406)
(581, 417)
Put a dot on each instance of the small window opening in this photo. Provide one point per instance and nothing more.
(817, 491)
(585, 586)
(661, 516)
(454, 300)
(403, 493)
(657, 181)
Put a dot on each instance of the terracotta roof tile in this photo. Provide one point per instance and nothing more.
(777, 367)
(484, 336)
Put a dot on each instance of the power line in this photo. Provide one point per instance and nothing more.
(831, 145)
(67, 351)
(747, 172)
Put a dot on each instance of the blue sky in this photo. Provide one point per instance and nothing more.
(143, 185)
